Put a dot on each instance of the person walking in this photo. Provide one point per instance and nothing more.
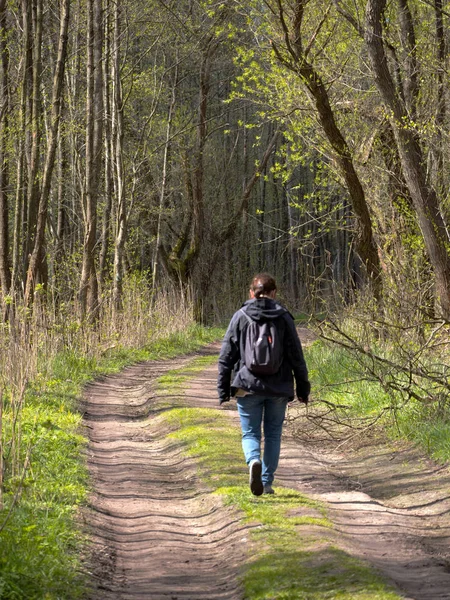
(262, 392)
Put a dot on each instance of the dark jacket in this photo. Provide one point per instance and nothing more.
(233, 374)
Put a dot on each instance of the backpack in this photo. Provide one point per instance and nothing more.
(263, 348)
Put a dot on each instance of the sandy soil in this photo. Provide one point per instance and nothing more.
(158, 534)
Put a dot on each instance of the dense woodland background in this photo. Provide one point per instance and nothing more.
(194, 143)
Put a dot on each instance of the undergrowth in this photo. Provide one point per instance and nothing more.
(42, 544)
(361, 397)
(292, 554)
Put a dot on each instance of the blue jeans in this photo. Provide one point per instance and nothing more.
(253, 411)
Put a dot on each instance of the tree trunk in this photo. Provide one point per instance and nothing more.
(33, 144)
(62, 220)
(20, 212)
(230, 228)
(408, 37)
(19, 208)
(164, 177)
(423, 195)
(88, 294)
(121, 211)
(437, 155)
(5, 271)
(364, 244)
(58, 80)
(198, 171)
(180, 261)
(108, 154)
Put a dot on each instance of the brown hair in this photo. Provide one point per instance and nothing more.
(262, 285)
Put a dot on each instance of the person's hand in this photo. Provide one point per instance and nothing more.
(223, 400)
(225, 404)
(304, 400)
(302, 392)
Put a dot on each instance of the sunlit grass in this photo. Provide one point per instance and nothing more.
(176, 379)
(286, 572)
(338, 378)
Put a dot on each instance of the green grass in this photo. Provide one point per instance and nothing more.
(175, 379)
(288, 572)
(338, 378)
(293, 555)
(42, 545)
(431, 432)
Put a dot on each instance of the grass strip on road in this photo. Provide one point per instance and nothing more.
(292, 555)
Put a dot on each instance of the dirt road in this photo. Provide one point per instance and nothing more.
(158, 534)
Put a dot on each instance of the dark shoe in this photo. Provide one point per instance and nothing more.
(256, 484)
(268, 489)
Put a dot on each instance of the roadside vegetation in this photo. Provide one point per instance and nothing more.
(292, 554)
(44, 482)
(386, 372)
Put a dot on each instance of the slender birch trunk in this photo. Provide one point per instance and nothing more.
(88, 294)
(23, 144)
(108, 154)
(34, 129)
(121, 211)
(5, 267)
(58, 80)
(165, 168)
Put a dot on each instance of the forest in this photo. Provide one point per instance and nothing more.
(167, 139)
(156, 154)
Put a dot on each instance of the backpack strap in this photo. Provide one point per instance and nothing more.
(249, 319)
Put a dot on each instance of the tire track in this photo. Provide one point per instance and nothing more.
(156, 531)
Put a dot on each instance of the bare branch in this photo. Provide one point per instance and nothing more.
(295, 55)
(317, 31)
(349, 17)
